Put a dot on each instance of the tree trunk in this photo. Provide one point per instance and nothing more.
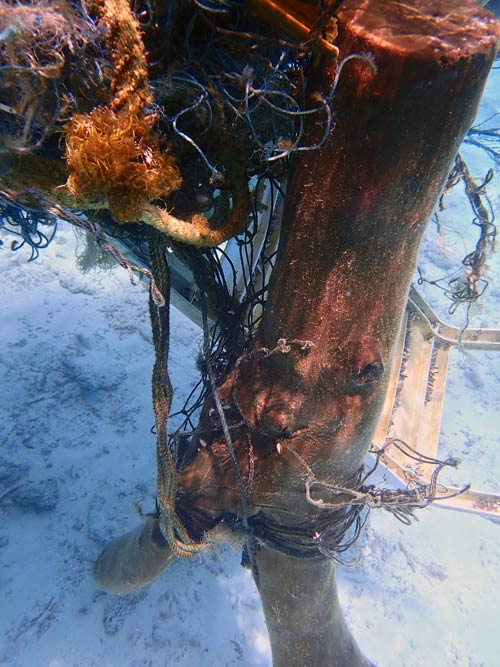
(354, 216)
(303, 410)
(303, 615)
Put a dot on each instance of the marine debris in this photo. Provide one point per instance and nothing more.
(168, 124)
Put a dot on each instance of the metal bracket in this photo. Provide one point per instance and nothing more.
(415, 396)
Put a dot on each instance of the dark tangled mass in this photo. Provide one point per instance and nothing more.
(181, 115)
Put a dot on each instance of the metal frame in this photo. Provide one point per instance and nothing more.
(414, 401)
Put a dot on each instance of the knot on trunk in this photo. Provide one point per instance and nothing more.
(367, 365)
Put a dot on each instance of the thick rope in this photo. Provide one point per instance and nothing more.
(171, 526)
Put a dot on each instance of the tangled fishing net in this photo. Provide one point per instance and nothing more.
(200, 113)
(171, 124)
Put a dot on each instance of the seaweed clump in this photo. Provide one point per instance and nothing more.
(113, 153)
(116, 157)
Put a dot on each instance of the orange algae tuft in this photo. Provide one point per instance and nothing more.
(115, 156)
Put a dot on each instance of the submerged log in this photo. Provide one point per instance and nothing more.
(305, 402)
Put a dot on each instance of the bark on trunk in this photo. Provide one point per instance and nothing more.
(303, 615)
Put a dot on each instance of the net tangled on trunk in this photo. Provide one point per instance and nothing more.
(181, 117)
